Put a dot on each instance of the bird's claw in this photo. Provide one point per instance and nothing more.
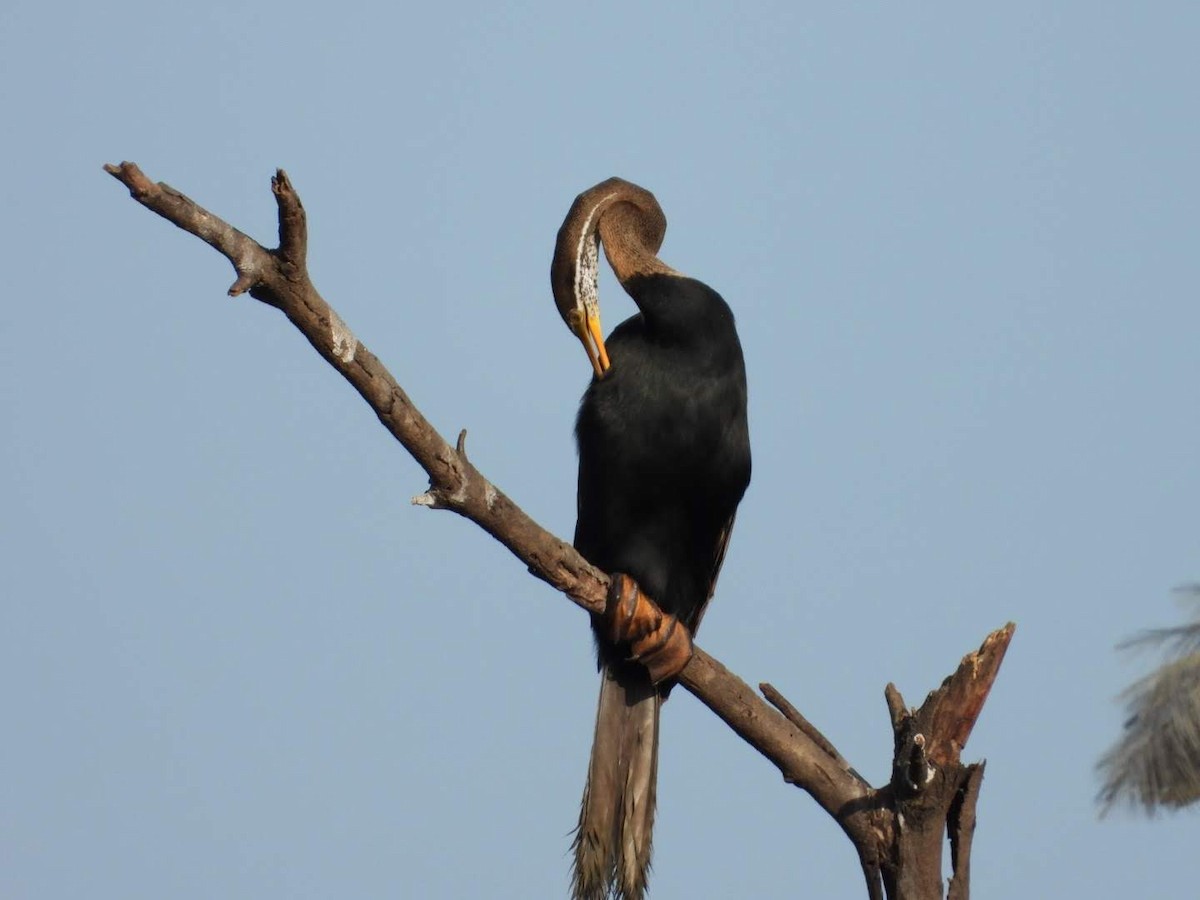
(654, 638)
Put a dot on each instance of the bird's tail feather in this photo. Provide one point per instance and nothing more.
(616, 819)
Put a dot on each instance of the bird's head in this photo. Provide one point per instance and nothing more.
(631, 224)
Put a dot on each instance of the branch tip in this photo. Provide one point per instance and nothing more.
(897, 708)
(244, 283)
(461, 446)
(293, 227)
(131, 176)
(954, 708)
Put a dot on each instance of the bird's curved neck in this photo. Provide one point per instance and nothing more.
(630, 250)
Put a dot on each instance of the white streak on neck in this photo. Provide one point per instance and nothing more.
(587, 256)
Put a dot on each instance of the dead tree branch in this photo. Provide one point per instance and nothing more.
(897, 829)
(932, 793)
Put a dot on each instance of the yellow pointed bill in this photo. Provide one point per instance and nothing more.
(587, 329)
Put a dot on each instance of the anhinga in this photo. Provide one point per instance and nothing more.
(664, 458)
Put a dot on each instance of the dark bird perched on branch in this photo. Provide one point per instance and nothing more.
(664, 458)
(1156, 761)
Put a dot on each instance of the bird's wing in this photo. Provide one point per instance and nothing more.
(718, 560)
(586, 538)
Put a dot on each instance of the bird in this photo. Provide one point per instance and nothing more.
(664, 460)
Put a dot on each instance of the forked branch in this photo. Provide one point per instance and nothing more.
(279, 277)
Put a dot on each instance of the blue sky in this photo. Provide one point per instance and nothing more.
(961, 246)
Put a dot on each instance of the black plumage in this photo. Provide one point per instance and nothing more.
(664, 448)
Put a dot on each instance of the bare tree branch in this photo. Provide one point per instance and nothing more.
(869, 817)
(793, 715)
(928, 777)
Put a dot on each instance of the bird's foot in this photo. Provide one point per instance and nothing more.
(655, 639)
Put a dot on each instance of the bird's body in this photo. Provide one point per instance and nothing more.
(664, 450)
(664, 458)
